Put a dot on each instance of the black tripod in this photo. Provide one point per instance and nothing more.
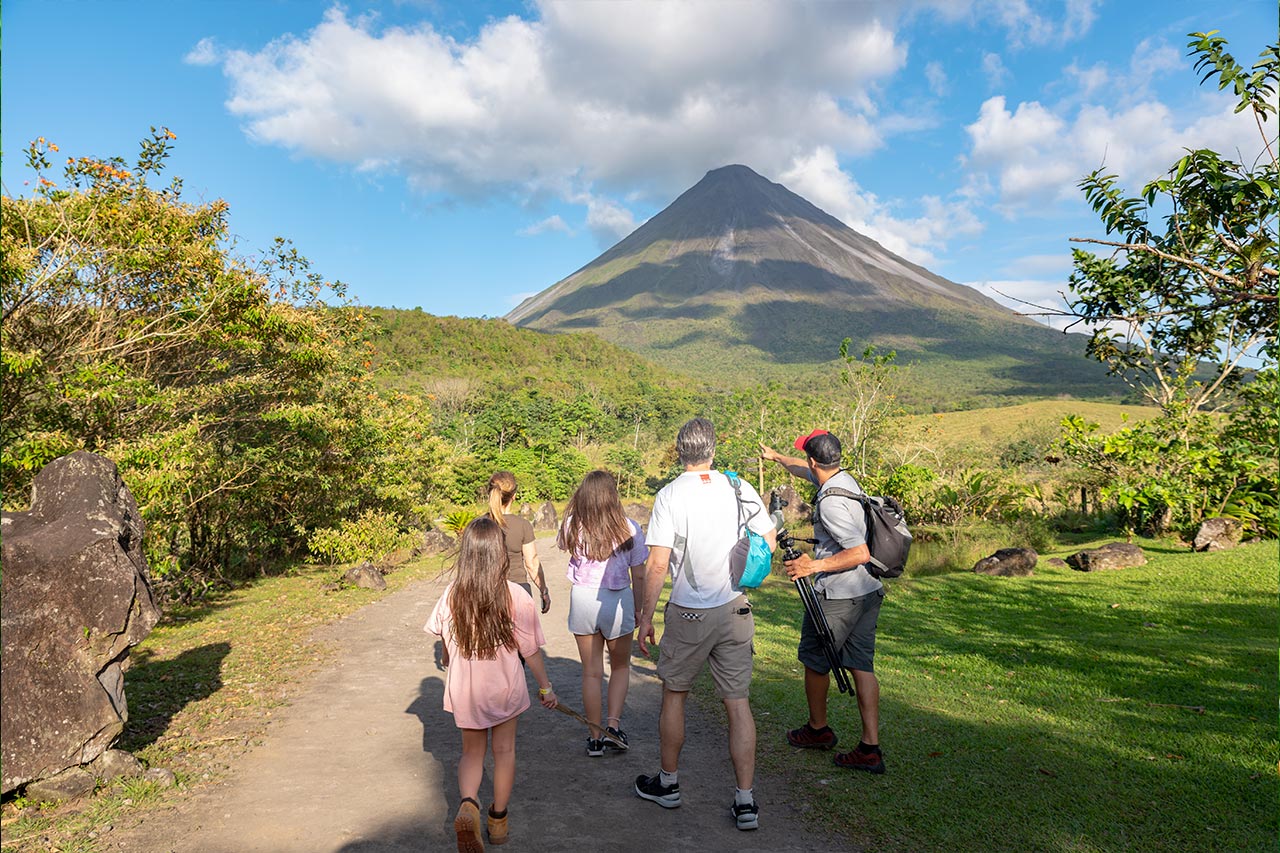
(809, 597)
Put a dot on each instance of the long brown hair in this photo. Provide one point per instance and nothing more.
(502, 488)
(595, 524)
(479, 600)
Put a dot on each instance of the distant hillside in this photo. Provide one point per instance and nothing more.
(740, 279)
(423, 352)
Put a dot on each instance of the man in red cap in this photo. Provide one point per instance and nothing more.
(849, 595)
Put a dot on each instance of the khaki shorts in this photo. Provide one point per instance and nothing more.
(719, 636)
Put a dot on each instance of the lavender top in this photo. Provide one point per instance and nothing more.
(613, 573)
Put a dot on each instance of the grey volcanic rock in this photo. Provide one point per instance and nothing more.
(1113, 555)
(75, 599)
(1008, 563)
(367, 576)
(545, 517)
(70, 784)
(435, 542)
(637, 512)
(115, 763)
(1218, 534)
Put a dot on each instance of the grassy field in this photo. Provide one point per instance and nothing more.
(1128, 710)
(989, 428)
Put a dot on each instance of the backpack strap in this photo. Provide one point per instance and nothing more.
(737, 493)
(865, 501)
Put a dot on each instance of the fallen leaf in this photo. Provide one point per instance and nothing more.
(1048, 772)
(938, 754)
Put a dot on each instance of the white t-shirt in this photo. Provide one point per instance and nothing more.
(696, 516)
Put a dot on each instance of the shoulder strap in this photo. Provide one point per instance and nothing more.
(737, 494)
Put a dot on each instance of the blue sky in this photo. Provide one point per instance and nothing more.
(460, 156)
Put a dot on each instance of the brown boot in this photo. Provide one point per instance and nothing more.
(497, 827)
(467, 826)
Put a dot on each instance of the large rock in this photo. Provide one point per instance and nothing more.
(435, 542)
(545, 517)
(75, 599)
(796, 509)
(1113, 555)
(1217, 534)
(1008, 563)
(639, 513)
(366, 576)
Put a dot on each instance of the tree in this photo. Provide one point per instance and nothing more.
(234, 397)
(1202, 291)
(874, 384)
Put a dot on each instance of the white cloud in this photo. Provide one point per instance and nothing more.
(994, 70)
(205, 52)
(819, 179)
(937, 77)
(1104, 117)
(551, 223)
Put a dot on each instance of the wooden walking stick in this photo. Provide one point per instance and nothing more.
(593, 727)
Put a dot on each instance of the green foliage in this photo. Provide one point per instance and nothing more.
(457, 521)
(1204, 289)
(370, 537)
(234, 398)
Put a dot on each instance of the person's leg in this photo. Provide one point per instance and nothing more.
(816, 686)
(504, 762)
(671, 728)
(619, 677)
(591, 653)
(742, 741)
(868, 691)
(471, 764)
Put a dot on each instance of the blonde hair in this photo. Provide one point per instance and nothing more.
(595, 525)
(479, 599)
(502, 488)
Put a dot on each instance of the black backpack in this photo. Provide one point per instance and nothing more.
(888, 538)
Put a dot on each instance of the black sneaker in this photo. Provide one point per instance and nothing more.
(615, 739)
(651, 788)
(747, 816)
(595, 748)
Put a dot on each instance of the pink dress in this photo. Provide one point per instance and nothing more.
(482, 693)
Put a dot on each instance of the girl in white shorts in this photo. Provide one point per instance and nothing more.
(606, 562)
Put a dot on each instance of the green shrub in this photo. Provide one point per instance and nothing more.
(371, 537)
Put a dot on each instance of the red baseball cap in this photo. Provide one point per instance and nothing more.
(802, 439)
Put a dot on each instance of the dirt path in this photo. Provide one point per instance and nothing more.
(364, 761)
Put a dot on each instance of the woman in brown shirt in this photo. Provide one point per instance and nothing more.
(525, 568)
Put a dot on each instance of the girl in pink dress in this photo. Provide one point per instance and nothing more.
(487, 624)
(606, 559)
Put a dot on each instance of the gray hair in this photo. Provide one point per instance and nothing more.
(696, 442)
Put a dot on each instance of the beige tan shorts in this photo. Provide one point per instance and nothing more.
(718, 636)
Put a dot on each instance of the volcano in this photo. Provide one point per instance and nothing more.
(740, 277)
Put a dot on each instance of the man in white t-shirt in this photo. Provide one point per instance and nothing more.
(693, 531)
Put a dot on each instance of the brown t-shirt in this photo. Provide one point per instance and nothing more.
(519, 532)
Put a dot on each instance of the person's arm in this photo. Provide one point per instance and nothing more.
(638, 575)
(533, 569)
(546, 693)
(794, 464)
(655, 577)
(849, 558)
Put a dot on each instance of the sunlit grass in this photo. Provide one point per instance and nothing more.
(1125, 710)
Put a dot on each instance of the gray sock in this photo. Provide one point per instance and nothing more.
(668, 779)
(743, 798)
